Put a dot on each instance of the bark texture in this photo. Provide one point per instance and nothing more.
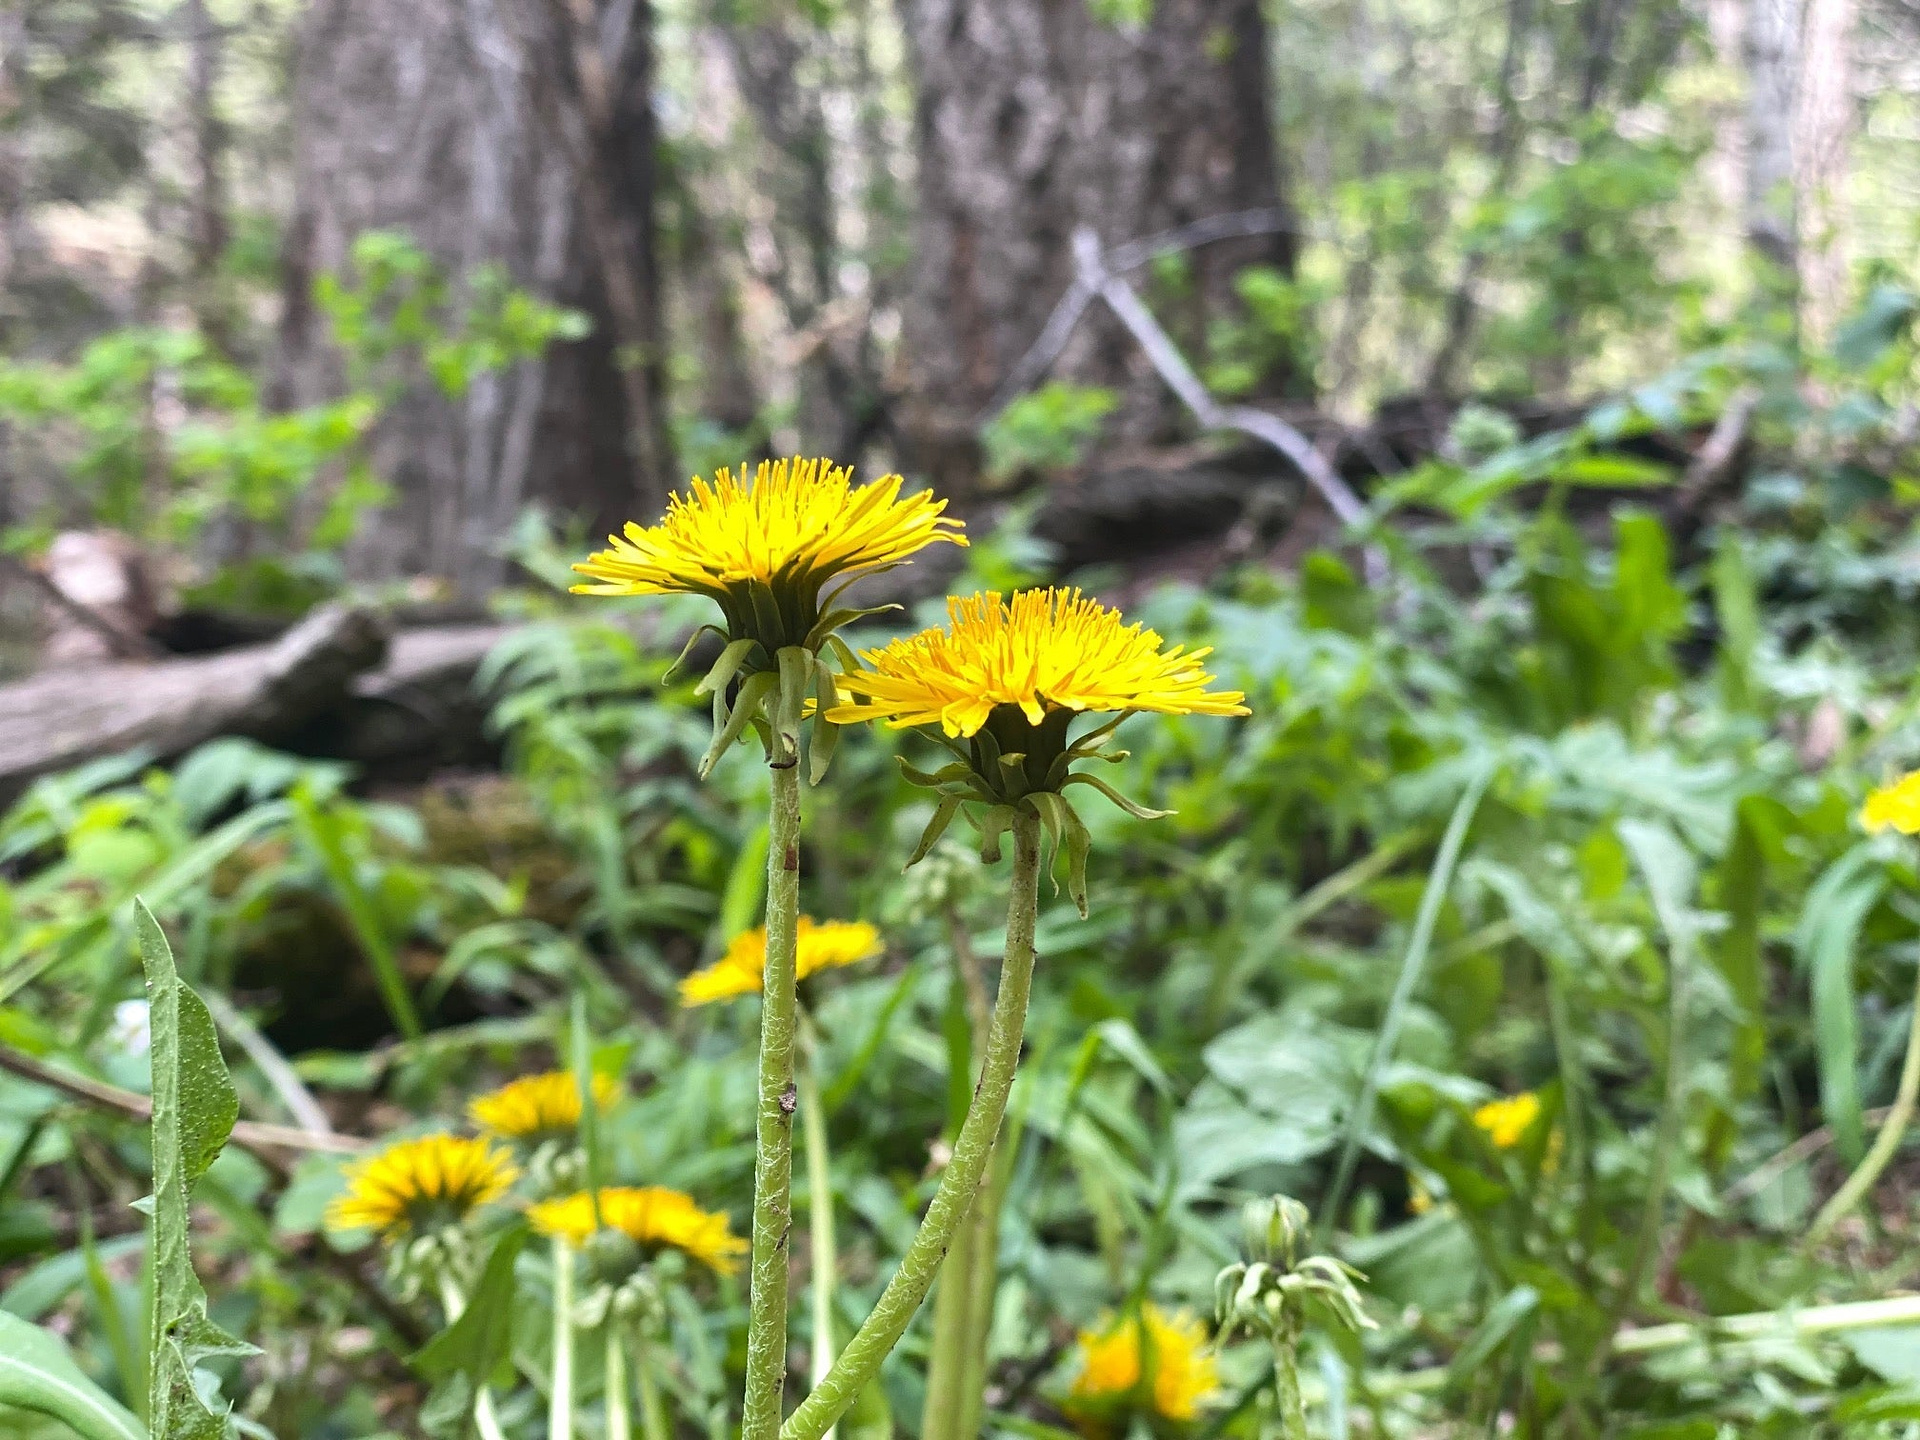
(1823, 124)
(448, 119)
(1036, 116)
(1773, 63)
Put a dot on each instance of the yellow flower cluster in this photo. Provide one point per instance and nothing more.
(538, 1107)
(1154, 1358)
(1044, 650)
(419, 1185)
(1506, 1121)
(1894, 807)
(653, 1217)
(742, 970)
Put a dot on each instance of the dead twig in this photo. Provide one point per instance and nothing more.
(1099, 279)
(266, 1141)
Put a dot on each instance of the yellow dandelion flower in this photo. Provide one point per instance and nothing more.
(1046, 650)
(653, 1217)
(416, 1185)
(1170, 1350)
(795, 526)
(817, 946)
(1506, 1121)
(1894, 807)
(538, 1107)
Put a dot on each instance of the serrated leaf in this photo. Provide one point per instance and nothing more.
(194, 1107)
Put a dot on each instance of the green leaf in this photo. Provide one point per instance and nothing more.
(1828, 934)
(194, 1107)
(754, 691)
(746, 886)
(37, 1374)
(1611, 471)
(725, 668)
(477, 1347)
(936, 827)
(1506, 1317)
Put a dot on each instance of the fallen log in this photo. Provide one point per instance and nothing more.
(65, 717)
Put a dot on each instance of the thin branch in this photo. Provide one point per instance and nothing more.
(266, 1143)
(1054, 335)
(255, 1137)
(1094, 274)
(1236, 225)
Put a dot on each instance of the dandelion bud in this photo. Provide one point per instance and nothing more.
(1272, 1229)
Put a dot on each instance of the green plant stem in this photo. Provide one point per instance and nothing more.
(943, 1414)
(860, 1362)
(1885, 1145)
(560, 1400)
(653, 1412)
(484, 1418)
(614, 1397)
(946, 1354)
(823, 1251)
(1286, 1387)
(773, 1149)
(983, 1284)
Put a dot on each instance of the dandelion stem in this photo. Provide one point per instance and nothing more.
(824, 1253)
(860, 1362)
(560, 1400)
(1885, 1144)
(615, 1390)
(1286, 1387)
(773, 1160)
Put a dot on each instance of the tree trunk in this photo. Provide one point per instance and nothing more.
(1822, 127)
(430, 118)
(1034, 117)
(1773, 61)
(207, 224)
(13, 151)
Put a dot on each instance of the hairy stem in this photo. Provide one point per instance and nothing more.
(940, 1414)
(1885, 1144)
(1286, 1387)
(983, 1287)
(943, 1414)
(773, 1160)
(860, 1362)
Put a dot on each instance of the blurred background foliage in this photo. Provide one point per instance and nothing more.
(1607, 310)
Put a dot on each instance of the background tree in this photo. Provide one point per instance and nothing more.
(1035, 117)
